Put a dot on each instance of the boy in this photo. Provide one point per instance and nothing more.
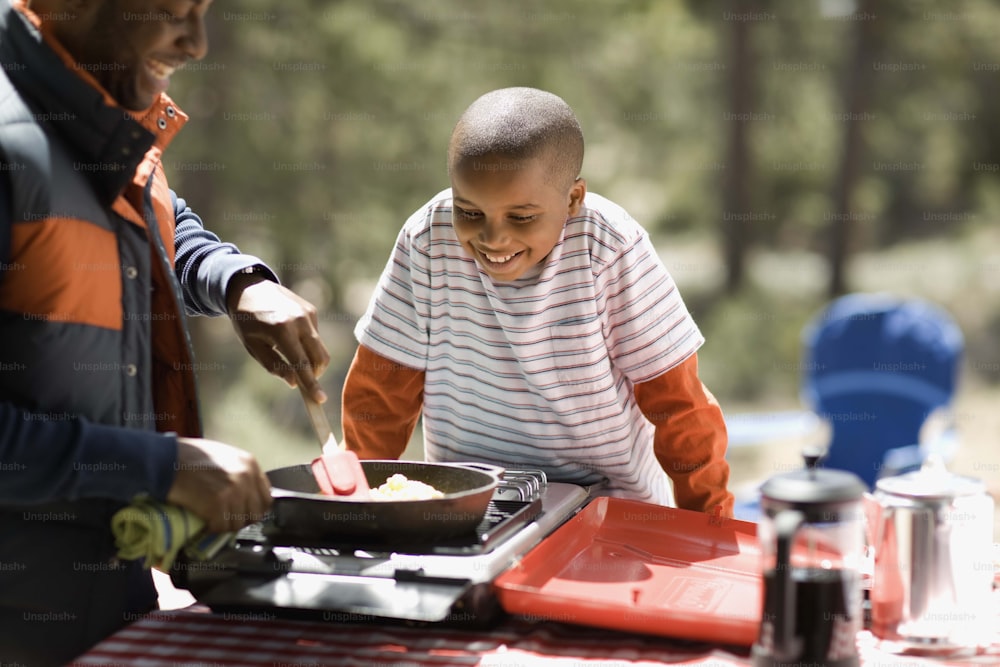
(534, 325)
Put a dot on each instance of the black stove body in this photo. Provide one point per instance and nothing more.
(445, 581)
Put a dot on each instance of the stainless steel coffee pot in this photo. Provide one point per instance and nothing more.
(811, 534)
(932, 534)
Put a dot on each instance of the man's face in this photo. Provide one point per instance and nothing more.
(133, 46)
(507, 214)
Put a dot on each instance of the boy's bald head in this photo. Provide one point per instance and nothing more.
(518, 124)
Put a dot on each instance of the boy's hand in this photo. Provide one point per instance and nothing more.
(280, 330)
(222, 484)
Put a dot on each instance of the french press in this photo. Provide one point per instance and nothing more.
(812, 535)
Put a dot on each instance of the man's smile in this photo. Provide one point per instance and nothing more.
(160, 69)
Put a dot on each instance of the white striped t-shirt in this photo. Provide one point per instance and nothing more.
(536, 373)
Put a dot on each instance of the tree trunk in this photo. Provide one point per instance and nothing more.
(856, 97)
(737, 201)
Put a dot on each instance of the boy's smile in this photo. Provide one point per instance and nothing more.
(508, 215)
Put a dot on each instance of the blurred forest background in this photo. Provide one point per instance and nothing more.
(779, 153)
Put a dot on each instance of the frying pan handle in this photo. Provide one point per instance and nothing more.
(277, 492)
(488, 468)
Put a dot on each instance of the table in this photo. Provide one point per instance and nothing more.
(195, 637)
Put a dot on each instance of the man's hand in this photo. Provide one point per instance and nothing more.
(280, 330)
(221, 484)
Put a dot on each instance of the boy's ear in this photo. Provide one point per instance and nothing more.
(576, 194)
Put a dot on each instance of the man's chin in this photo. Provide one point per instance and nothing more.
(137, 106)
(134, 99)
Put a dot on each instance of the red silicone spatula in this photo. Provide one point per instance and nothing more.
(338, 470)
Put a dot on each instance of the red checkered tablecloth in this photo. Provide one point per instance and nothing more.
(195, 637)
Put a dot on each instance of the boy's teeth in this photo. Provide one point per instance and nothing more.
(499, 259)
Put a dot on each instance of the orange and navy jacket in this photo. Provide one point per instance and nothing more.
(99, 261)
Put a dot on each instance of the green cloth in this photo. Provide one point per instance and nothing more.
(158, 532)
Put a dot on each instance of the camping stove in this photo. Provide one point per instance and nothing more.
(445, 581)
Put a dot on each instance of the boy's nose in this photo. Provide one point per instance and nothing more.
(492, 232)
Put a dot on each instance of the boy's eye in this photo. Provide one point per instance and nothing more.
(468, 214)
(522, 218)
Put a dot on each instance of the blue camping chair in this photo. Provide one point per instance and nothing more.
(875, 367)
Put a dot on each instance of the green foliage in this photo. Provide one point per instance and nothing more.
(753, 350)
(318, 127)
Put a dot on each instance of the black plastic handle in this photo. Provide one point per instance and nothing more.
(786, 524)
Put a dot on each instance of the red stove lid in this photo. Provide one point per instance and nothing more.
(643, 568)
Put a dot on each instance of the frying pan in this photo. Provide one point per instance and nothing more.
(300, 509)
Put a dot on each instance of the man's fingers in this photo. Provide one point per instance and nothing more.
(302, 363)
(220, 483)
(316, 352)
(281, 331)
(271, 359)
(308, 382)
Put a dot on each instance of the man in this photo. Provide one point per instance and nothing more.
(99, 261)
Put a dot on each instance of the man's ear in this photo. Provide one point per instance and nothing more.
(577, 192)
(70, 21)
